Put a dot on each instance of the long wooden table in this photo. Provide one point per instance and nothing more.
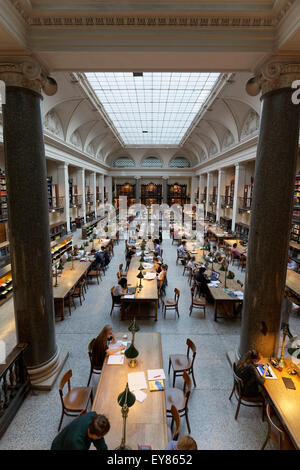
(218, 293)
(146, 422)
(149, 291)
(285, 401)
(66, 282)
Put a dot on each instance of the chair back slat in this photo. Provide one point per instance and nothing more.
(176, 417)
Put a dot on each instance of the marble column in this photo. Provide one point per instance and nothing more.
(28, 219)
(193, 189)
(81, 191)
(221, 188)
(109, 189)
(271, 214)
(165, 189)
(94, 192)
(102, 186)
(208, 193)
(239, 182)
(137, 189)
(63, 190)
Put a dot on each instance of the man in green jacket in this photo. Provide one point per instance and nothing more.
(82, 432)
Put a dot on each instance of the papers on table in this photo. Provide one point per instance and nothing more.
(150, 276)
(138, 253)
(148, 258)
(148, 265)
(239, 294)
(140, 396)
(214, 284)
(115, 360)
(154, 374)
(129, 296)
(117, 345)
(269, 375)
(136, 381)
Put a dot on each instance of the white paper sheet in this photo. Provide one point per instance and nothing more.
(156, 374)
(136, 381)
(115, 360)
(140, 396)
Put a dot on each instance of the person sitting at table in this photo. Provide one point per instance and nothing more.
(246, 370)
(82, 432)
(191, 262)
(203, 281)
(98, 261)
(292, 264)
(105, 255)
(183, 443)
(119, 289)
(235, 253)
(101, 344)
(182, 249)
(161, 276)
(75, 250)
(215, 252)
(67, 254)
(206, 244)
(130, 253)
(157, 264)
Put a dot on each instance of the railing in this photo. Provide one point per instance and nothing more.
(14, 386)
(226, 202)
(245, 203)
(89, 198)
(56, 203)
(75, 200)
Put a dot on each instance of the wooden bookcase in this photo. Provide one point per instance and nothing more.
(177, 194)
(295, 232)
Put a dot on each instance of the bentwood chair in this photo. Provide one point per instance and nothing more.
(182, 363)
(237, 390)
(276, 433)
(69, 300)
(172, 304)
(199, 302)
(122, 273)
(94, 369)
(94, 273)
(175, 418)
(78, 292)
(75, 401)
(243, 262)
(115, 303)
(179, 398)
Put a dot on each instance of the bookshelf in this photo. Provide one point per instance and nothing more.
(127, 190)
(151, 194)
(59, 247)
(3, 197)
(58, 230)
(177, 194)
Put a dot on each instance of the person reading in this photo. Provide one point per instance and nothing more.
(89, 428)
(246, 370)
(100, 347)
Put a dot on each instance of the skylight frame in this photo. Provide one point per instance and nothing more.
(163, 104)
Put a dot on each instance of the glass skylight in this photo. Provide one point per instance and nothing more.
(155, 108)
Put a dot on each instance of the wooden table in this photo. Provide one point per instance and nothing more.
(146, 422)
(66, 282)
(286, 402)
(149, 292)
(219, 233)
(293, 283)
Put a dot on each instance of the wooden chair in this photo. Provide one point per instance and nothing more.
(276, 433)
(115, 303)
(122, 273)
(179, 398)
(78, 292)
(94, 273)
(175, 418)
(237, 390)
(240, 283)
(182, 363)
(76, 400)
(172, 304)
(69, 300)
(197, 302)
(94, 369)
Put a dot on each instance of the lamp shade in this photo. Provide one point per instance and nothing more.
(141, 267)
(142, 258)
(140, 275)
(131, 352)
(126, 398)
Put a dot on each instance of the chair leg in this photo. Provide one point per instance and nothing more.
(232, 391)
(169, 366)
(187, 421)
(174, 378)
(266, 441)
(91, 373)
(111, 310)
(61, 420)
(238, 409)
(193, 378)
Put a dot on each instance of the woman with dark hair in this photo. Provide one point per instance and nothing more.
(101, 344)
(203, 281)
(120, 289)
(246, 370)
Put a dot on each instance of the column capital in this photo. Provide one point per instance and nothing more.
(165, 178)
(26, 72)
(276, 73)
(137, 177)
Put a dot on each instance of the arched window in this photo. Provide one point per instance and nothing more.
(179, 162)
(151, 162)
(123, 162)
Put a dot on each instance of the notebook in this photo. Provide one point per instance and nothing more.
(156, 385)
(115, 360)
(156, 374)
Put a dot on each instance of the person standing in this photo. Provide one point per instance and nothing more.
(89, 428)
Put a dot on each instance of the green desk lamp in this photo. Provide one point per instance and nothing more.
(126, 399)
(133, 327)
(140, 277)
(132, 353)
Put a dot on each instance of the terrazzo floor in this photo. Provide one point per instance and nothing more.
(211, 413)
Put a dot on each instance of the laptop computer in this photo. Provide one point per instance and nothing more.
(214, 276)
